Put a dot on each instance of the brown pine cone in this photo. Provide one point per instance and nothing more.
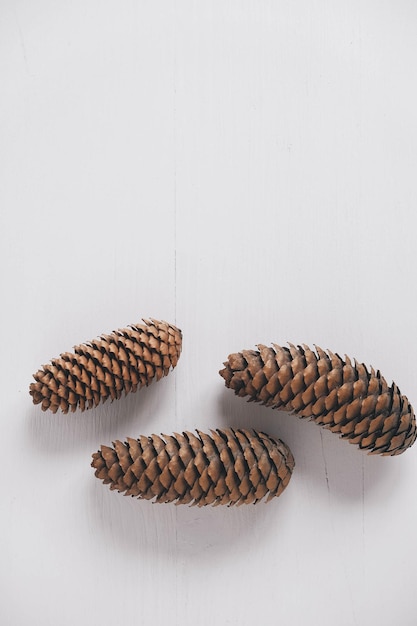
(227, 467)
(346, 398)
(123, 361)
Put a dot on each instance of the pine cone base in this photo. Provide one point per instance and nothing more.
(335, 393)
(226, 467)
(121, 362)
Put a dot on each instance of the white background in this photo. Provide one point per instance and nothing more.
(246, 170)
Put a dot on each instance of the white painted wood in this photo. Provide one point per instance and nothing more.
(247, 170)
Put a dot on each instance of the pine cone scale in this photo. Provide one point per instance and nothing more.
(342, 396)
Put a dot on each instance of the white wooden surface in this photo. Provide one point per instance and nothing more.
(248, 171)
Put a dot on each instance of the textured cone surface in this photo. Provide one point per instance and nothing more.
(226, 467)
(337, 394)
(106, 367)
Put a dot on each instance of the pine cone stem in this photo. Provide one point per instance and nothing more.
(337, 394)
(124, 361)
(226, 467)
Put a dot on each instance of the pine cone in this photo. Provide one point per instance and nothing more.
(346, 398)
(228, 467)
(123, 361)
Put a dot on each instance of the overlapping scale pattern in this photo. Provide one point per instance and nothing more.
(345, 397)
(226, 466)
(106, 367)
